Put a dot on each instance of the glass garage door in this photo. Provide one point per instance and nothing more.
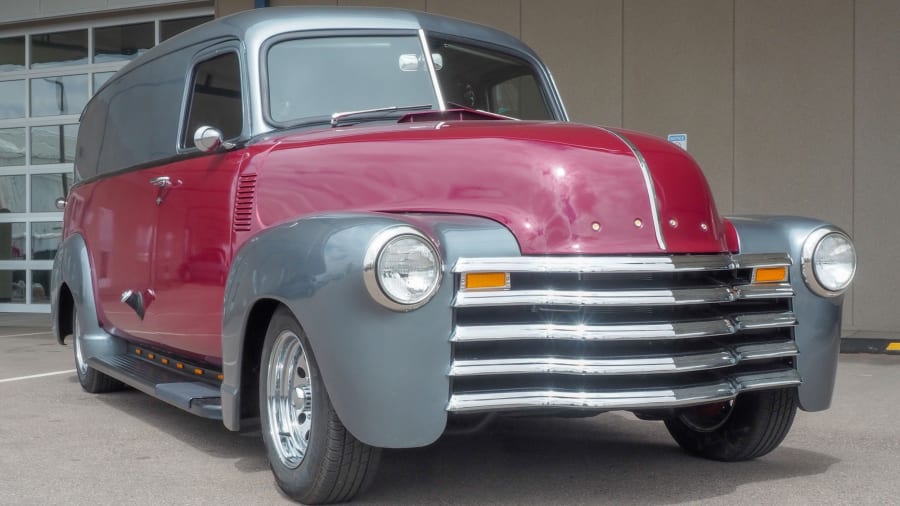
(47, 75)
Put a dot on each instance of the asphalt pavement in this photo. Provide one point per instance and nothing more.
(60, 445)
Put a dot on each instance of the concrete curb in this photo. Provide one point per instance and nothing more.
(870, 345)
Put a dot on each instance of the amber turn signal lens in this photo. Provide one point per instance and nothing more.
(482, 280)
(770, 275)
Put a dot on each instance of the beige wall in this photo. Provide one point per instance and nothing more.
(790, 106)
(13, 11)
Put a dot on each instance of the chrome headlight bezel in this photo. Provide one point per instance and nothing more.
(373, 257)
(809, 262)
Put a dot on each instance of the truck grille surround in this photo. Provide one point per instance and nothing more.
(607, 333)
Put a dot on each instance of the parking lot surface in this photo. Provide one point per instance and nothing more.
(60, 445)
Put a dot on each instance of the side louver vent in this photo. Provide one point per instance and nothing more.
(243, 205)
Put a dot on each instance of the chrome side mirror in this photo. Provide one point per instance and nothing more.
(209, 139)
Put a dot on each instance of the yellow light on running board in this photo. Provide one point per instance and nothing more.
(482, 280)
(770, 274)
(893, 347)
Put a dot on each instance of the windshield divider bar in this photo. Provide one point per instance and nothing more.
(430, 62)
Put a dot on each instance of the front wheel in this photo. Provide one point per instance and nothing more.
(751, 426)
(314, 458)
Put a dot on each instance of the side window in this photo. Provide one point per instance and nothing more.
(215, 98)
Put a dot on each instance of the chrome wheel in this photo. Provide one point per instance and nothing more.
(77, 337)
(289, 399)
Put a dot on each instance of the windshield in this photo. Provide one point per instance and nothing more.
(317, 77)
(312, 78)
(489, 80)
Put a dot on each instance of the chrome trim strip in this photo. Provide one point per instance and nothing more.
(620, 264)
(631, 399)
(430, 62)
(630, 332)
(765, 320)
(764, 291)
(626, 332)
(595, 298)
(715, 359)
(748, 261)
(648, 182)
(758, 351)
(580, 366)
(583, 298)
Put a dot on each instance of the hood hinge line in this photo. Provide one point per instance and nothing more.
(648, 182)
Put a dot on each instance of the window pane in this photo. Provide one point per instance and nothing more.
(12, 286)
(216, 97)
(40, 287)
(45, 238)
(12, 194)
(12, 53)
(482, 78)
(51, 96)
(12, 241)
(120, 43)
(313, 78)
(100, 78)
(53, 144)
(12, 146)
(46, 188)
(12, 99)
(60, 48)
(172, 27)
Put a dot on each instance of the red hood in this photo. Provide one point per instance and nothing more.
(549, 183)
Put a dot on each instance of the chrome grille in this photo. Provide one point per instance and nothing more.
(619, 332)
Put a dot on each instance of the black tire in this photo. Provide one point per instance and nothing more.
(91, 380)
(758, 423)
(335, 466)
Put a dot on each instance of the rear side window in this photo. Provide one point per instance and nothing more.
(215, 98)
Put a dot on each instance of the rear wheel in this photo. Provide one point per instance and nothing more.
(751, 426)
(314, 458)
(91, 380)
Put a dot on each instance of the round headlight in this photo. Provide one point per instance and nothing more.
(402, 269)
(829, 262)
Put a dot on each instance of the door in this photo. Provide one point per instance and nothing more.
(120, 230)
(192, 250)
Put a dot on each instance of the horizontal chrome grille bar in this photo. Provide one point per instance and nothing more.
(625, 332)
(620, 264)
(622, 399)
(620, 366)
(760, 351)
(712, 295)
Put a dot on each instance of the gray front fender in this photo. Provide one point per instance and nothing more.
(385, 371)
(818, 330)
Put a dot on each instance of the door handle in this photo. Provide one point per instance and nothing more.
(162, 181)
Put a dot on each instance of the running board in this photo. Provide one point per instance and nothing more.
(197, 397)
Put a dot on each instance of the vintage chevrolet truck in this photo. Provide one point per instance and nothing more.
(361, 225)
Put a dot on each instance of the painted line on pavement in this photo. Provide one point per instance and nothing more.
(29, 334)
(33, 376)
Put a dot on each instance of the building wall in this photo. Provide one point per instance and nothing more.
(791, 107)
(12, 11)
